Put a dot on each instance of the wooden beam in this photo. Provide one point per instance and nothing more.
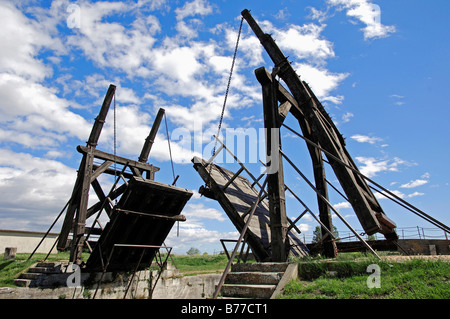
(119, 159)
(275, 181)
(151, 137)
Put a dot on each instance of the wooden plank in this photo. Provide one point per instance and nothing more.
(145, 215)
(236, 200)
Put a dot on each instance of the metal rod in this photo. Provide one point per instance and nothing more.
(48, 231)
(296, 220)
(174, 218)
(312, 214)
(233, 254)
(134, 273)
(232, 179)
(331, 206)
(237, 160)
(175, 180)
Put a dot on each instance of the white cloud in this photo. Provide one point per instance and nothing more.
(365, 139)
(35, 112)
(395, 192)
(368, 13)
(200, 211)
(321, 81)
(415, 194)
(112, 45)
(415, 183)
(305, 41)
(342, 205)
(346, 117)
(33, 189)
(372, 166)
(22, 39)
(196, 7)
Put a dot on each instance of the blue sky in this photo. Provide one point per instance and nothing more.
(379, 67)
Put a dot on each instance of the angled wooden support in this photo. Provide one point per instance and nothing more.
(311, 114)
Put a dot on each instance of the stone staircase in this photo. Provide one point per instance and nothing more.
(39, 274)
(257, 280)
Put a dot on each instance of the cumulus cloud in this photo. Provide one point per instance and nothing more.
(33, 189)
(415, 183)
(321, 81)
(365, 139)
(372, 166)
(367, 13)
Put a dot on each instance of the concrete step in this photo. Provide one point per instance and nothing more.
(247, 291)
(43, 270)
(47, 264)
(255, 278)
(259, 267)
(31, 276)
(22, 282)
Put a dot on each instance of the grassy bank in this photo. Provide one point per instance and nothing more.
(200, 264)
(413, 279)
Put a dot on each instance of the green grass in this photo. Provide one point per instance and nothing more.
(198, 264)
(415, 279)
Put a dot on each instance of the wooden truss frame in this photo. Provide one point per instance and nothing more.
(88, 176)
(318, 127)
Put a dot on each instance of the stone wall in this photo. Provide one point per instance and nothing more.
(26, 241)
(171, 285)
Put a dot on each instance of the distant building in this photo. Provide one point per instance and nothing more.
(26, 241)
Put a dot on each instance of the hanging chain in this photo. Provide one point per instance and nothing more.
(115, 144)
(227, 90)
(170, 150)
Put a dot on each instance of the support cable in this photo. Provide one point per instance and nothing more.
(418, 211)
(329, 204)
(170, 150)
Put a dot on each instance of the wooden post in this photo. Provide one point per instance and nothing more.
(284, 97)
(151, 137)
(10, 253)
(275, 179)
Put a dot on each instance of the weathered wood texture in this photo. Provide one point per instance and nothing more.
(78, 211)
(324, 133)
(144, 215)
(275, 180)
(236, 201)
